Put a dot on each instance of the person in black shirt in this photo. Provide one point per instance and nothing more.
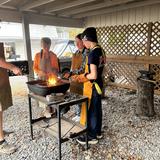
(93, 85)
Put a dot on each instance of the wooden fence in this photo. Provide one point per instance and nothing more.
(130, 48)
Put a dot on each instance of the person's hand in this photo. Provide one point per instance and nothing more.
(79, 78)
(16, 70)
(74, 78)
(82, 78)
(66, 75)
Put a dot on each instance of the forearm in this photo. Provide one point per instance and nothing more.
(93, 72)
(91, 76)
(6, 65)
(79, 78)
(86, 76)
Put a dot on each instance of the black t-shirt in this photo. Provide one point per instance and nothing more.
(96, 57)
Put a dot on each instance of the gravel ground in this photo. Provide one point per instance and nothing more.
(126, 136)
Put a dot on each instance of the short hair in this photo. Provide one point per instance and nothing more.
(90, 34)
(79, 36)
(46, 40)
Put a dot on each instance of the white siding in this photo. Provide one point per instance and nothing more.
(20, 50)
(130, 16)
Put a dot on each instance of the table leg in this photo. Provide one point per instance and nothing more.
(87, 124)
(30, 116)
(59, 132)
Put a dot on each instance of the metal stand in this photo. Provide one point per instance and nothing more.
(59, 106)
(59, 132)
(30, 115)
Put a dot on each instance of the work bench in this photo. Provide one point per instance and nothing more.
(58, 104)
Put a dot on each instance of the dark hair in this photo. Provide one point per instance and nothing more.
(90, 34)
(79, 36)
(46, 40)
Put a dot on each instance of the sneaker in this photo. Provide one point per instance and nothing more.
(82, 140)
(76, 119)
(99, 136)
(7, 133)
(47, 114)
(73, 119)
(6, 148)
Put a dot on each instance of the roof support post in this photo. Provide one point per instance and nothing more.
(27, 43)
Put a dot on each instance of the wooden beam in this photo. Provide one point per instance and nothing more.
(133, 59)
(117, 8)
(56, 21)
(8, 7)
(66, 5)
(27, 43)
(34, 4)
(4, 2)
(15, 16)
(10, 16)
(94, 7)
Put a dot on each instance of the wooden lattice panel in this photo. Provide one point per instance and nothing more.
(124, 73)
(139, 40)
(155, 40)
(156, 69)
(155, 51)
(124, 40)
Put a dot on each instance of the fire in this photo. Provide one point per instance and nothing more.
(52, 80)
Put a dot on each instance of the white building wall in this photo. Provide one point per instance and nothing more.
(130, 16)
(19, 48)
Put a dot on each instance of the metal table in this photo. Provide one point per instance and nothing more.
(58, 106)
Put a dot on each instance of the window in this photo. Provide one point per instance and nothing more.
(12, 37)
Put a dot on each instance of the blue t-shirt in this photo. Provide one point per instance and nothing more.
(96, 57)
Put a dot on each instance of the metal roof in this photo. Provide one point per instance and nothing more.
(64, 12)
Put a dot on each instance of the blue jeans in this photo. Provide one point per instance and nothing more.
(95, 115)
(78, 110)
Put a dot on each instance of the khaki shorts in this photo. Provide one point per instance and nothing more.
(5, 97)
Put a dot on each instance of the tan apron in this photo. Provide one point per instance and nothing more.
(5, 89)
(87, 91)
(76, 87)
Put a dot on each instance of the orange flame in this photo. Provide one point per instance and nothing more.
(52, 80)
